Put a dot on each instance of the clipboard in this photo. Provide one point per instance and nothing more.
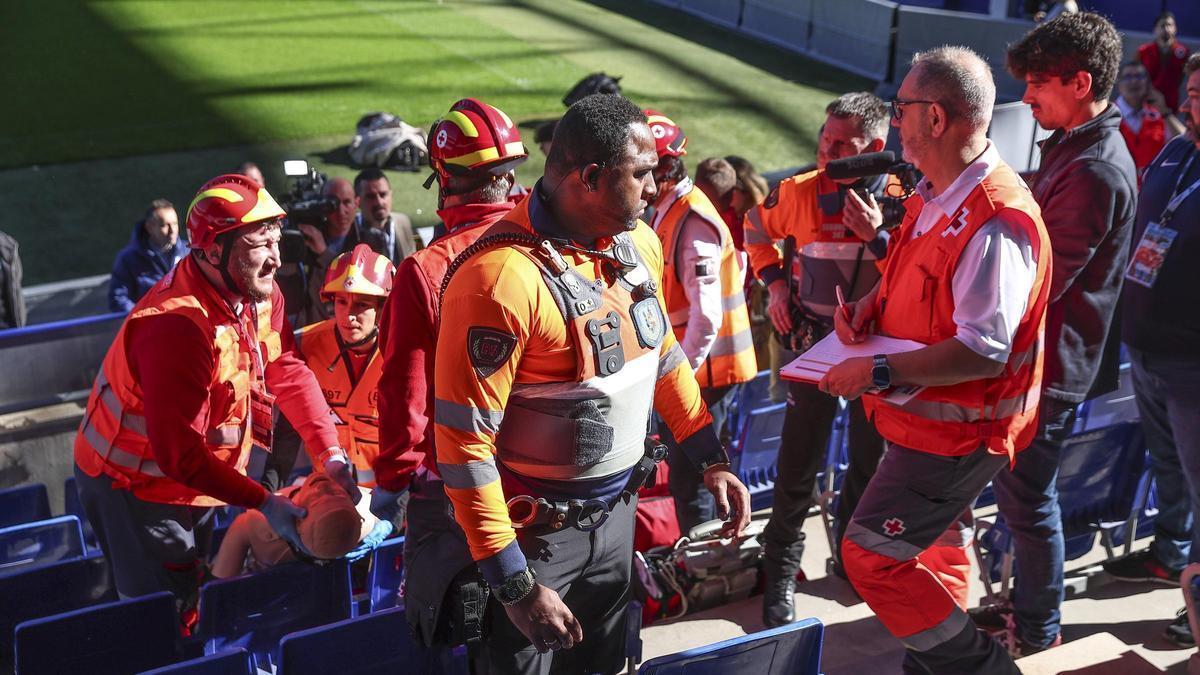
(812, 365)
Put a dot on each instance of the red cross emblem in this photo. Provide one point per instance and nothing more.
(893, 527)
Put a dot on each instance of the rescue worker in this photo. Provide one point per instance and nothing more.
(967, 276)
(702, 285)
(473, 152)
(186, 390)
(553, 348)
(343, 352)
(835, 231)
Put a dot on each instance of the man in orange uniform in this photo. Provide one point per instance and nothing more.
(702, 284)
(837, 237)
(187, 388)
(343, 351)
(553, 349)
(968, 276)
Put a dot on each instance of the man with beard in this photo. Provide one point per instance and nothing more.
(552, 350)
(377, 226)
(187, 389)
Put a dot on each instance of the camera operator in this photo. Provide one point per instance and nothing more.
(835, 233)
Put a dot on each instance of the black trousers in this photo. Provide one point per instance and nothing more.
(806, 430)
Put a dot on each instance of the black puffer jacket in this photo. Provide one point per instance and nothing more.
(1087, 188)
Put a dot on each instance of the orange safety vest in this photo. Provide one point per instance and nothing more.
(1149, 139)
(731, 359)
(112, 437)
(355, 401)
(915, 302)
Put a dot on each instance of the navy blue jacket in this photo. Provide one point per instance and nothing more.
(138, 267)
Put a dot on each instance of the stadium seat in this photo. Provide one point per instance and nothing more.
(234, 662)
(49, 589)
(751, 396)
(72, 507)
(255, 611)
(758, 451)
(1098, 481)
(23, 504)
(127, 636)
(376, 643)
(794, 649)
(44, 541)
(387, 574)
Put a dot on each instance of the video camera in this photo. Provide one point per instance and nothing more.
(874, 164)
(304, 204)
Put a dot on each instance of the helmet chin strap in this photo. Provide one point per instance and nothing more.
(358, 343)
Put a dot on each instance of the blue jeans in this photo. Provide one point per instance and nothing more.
(1168, 398)
(1027, 497)
(693, 503)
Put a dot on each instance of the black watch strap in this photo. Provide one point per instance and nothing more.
(719, 458)
(881, 372)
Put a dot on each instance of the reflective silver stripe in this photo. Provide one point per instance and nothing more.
(942, 411)
(756, 233)
(134, 423)
(119, 456)
(470, 475)
(732, 302)
(932, 637)
(835, 250)
(1015, 361)
(727, 345)
(671, 360)
(466, 418)
(230, 436)
(896, 549)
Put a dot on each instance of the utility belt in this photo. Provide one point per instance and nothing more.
(584, 514)
(807, 329)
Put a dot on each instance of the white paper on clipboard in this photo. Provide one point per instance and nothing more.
(812, 365)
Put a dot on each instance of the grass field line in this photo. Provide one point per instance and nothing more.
(518, 82)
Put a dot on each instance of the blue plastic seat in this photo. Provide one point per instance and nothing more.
(127, 636)
(386, 575)
(49, 589)
(72, 507)
(375, 643)
(45, 541)
(234, 662)
(1098, 481)
(751, 396)
(794, 649)
(23, 504)
(758, 453)
(255, 611)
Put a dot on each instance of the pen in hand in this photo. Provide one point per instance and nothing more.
(841, 302)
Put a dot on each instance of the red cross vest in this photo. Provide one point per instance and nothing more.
(915, 302)
(112, 437)
(1150, 138)
(731, 359)
(353, 400)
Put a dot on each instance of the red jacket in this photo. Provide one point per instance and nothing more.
(407, 337)
(1165, 73)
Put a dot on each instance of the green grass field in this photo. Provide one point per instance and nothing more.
(115, 103)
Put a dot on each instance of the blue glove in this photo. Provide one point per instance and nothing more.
(385, 504)
(378, 535)
(281, 514)
(339, 471)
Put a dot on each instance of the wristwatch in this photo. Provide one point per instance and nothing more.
(720, 458)
(881, 372)
(515, 587)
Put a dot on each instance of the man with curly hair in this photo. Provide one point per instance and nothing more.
(1087, 189)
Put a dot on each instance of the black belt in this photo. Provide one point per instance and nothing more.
(583, 514)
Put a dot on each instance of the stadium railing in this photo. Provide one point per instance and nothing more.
(53, 362)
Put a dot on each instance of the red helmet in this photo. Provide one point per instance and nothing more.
(474, 136)
(669, 139)
(226, 203)
(359, 272)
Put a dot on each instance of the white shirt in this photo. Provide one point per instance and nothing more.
(995, 271)
(1131, 115)
(698, 264)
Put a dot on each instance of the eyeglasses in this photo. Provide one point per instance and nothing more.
(1133, 77)
(898, 107)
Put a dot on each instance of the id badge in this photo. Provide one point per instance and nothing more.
(262, 418)
(1148, 257)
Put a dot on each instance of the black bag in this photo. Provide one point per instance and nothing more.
(596, 83)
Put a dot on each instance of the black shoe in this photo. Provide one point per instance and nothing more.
(996, 618)
(1141, 566)
(779, 602)
(1179, 631)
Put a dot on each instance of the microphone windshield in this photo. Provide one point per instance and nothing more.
(859, 166)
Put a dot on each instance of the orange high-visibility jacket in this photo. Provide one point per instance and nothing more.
(504, 337)
(915, 302)
(112, 437)
(731, 359)
(354, 400)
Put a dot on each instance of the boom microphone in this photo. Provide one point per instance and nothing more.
(860, 166)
